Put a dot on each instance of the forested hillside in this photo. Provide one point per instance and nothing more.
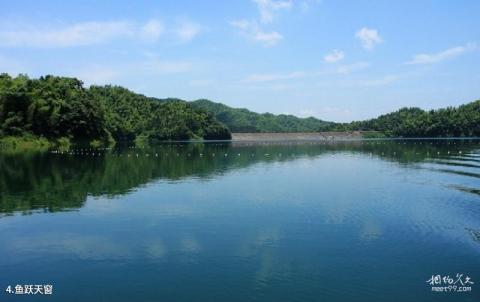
(55, 108)
(60, 107)
(129, 115)
(462, 121)
(243, 120)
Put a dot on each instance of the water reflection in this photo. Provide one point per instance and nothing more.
(52, 182)
(240, 222)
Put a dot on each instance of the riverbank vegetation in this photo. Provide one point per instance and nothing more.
(24, 143)
(462, 121)
(59, 108)
(59, 111)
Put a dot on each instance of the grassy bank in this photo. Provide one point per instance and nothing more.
(21, 143)
(36, 143)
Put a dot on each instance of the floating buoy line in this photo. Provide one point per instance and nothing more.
(138, 151)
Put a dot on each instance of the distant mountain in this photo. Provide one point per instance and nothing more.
(244, 120)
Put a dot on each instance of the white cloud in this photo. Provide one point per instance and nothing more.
(347, 69)
(441, 56)
(267, 8)
(305, 5)
(201, 82)
(240, 24)
(335, 56)
(270, 77)
(252, 31)
(99, 74)
(369, 37)
(79, 34)
(90, 33)
(165, 67)
(275, 76)
(268, 38)
(152, 30)
(386, 80)
(187, 31)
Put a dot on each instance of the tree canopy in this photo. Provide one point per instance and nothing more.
(462, 121)
(55, 107)
(244, 120)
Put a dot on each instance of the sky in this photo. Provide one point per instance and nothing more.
(332, 59)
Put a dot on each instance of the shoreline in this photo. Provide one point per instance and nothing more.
(296, 136)
(30, 143)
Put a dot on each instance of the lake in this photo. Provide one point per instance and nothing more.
(368, 220)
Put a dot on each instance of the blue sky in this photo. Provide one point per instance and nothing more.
(335, 60)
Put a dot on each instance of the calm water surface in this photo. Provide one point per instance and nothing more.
(348, 221)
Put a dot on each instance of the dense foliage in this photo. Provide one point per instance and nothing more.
(55, 107)
(243, 120)
(50, 107)
(462, 121)
(60, 107)
(129, 115)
